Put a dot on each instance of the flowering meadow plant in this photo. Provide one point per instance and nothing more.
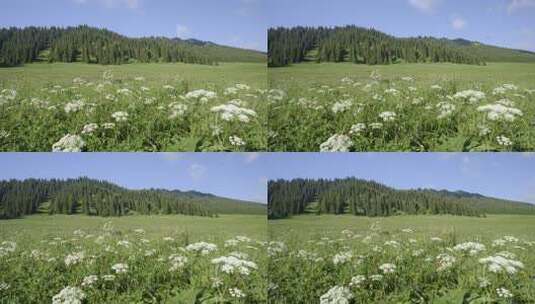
(132, 113)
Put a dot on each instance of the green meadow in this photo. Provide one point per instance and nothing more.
(402, 107)
(133, 107)
(402, 259)
(133, 259)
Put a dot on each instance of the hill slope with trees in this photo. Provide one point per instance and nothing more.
(101, 46)
(369, 198)
(369, 46)
(101, 198)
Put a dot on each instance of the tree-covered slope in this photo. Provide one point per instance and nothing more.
(369, 46)
(368, 198)
(94, 45)
(101, 198)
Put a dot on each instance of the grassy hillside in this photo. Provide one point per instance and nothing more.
(491, 53)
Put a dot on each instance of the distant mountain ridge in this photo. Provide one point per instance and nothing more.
(369, 198)
(101, 198)
(98, 45)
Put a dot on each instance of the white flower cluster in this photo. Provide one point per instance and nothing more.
(231, 265)
(236, 89)
(505, 240)
(231, 112)
(120, 116)
(236, 141)
(503, 140)
(342, 257)
(504, 293)
(202, 247)
(7, 247)
(74, 258)
(388, 268)
(337, 143)
(445, 261)
(472, 96)
(357, 128)
(236, 293)
(69, 295)
(275, 248)
(336, 295)
(503, 89)
(501, 264)
(89, 280)
(472, 248)
(341, 106)
(177, 262)
(90, 128)
(388, 116)
(500, 112)
(357, 280)
(202, 95)
(74, 106)
(177, 109)
(69, 143)
(120, 268)
(445, 108)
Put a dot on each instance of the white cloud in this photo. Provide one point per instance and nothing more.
(515, 5)
(458, 23)
(131, 4)
(183, 31)
(426, 6)
(170, 156)
(251, 157)
(197, 171)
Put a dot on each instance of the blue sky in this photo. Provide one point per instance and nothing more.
(236, 175)
(239, 23)
(509, 23)
(244, 175)
(503, 175)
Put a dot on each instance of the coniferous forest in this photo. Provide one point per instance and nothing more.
(359, 45)
(101, 46)
(369, 198)
(101, 198)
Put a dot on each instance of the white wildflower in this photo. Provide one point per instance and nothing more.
(337, 143)
(336, 295)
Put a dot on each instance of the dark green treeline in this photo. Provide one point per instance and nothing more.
(93, 45)
(358, 45)
(90, 197)
(368, 198)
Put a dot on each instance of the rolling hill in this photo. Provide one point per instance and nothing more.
(491, 53)
(369, 198)
(95, 45)
(102, 198)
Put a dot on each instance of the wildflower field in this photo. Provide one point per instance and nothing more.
(402, 107)
(134, 107)
(405, 259)
(134, 259)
